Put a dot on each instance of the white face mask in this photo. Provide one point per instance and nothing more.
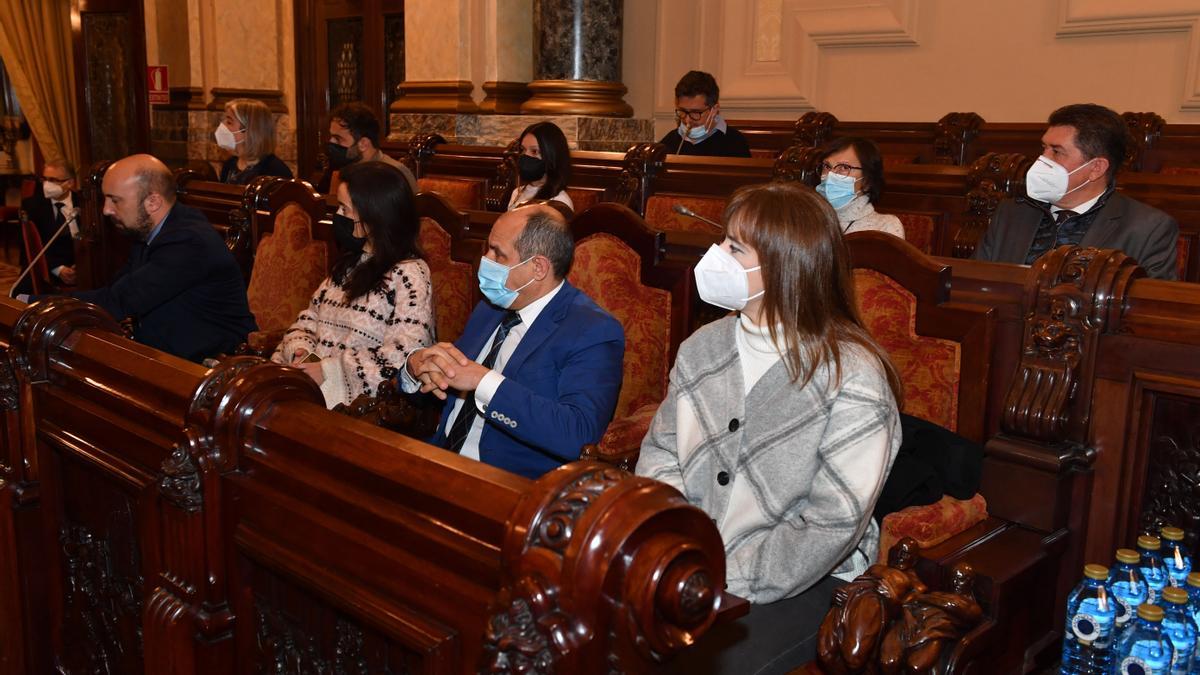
(225, 138)
(722, 281)
(1047, 180)
(53, 190)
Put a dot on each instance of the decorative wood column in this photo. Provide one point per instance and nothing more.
(577, 59)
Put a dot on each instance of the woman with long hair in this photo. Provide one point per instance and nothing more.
(377, 306)
(247, 132)
(544, 166)
(781, 422)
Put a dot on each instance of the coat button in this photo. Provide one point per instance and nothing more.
(734, 424)
(723, 478)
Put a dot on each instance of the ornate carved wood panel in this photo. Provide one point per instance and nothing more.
(109, 88)
(1172, 485)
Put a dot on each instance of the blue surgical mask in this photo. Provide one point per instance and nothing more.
(695, 134)
(493, 282)
(837, 189)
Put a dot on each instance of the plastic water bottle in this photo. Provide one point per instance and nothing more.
(1091, 611)
(1179, 625)
(1144, 649)
(1151, 566)
(1175, 557)
(1128, 588)
(1193, 590)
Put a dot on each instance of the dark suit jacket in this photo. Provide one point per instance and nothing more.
(560, 385)
(41, 212)
(269, 165)
(1140, 231)
(184, 290)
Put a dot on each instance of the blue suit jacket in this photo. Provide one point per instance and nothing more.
(560, 385)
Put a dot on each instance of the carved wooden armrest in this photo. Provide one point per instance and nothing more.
(261, 343)
(416, 417)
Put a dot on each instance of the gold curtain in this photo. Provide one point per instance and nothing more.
(35, 44)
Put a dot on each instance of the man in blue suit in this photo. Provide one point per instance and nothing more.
(536, 373)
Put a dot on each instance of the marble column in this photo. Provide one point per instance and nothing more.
(577, 59)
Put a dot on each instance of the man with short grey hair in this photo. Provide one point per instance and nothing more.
(536, 373)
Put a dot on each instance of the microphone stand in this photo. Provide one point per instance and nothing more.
(685, 211)
(45, 247)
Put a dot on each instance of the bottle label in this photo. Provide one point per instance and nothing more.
(1093, 621)
(1129, 596)
(1147, 657)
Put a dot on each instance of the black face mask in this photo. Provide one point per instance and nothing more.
(339, 156)
(530, 168)
(343, 234)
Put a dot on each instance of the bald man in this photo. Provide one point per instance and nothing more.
(181, 286)
(536, 373)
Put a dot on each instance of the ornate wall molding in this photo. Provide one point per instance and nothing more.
(1091, 18)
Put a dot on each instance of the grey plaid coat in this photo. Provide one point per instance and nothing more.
(789, 473)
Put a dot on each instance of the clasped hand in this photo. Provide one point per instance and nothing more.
(443, 367)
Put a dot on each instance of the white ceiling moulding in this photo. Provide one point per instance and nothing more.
(1089, 18)
(787, 82)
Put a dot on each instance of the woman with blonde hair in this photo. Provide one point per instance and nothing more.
(781, 422)
(248, 132)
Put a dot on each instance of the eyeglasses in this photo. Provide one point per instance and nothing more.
(841, 169)
(691, 115)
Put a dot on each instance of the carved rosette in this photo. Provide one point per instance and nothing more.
(799, 164)
(420, 150)
(594, 579)
(505, 180)
(814, 129)
(955, 132)
(1076, 296)
(180, 481)
(641, 164)
(1144, 130)
(990, 180)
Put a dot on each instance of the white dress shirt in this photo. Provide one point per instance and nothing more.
(492, 379)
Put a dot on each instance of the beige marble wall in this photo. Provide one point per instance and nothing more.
(438, 37)
(508, 40)
(915, 60)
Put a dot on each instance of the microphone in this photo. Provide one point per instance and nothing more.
(24, 217)
(685, 211)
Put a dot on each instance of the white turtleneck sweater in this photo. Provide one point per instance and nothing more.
(859, 216)
(756, 352)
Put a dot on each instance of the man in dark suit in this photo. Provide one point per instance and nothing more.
(1072, 199)
(49, 211)
(536, 373)
(181, 286)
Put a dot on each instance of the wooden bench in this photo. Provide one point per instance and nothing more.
(157, 517)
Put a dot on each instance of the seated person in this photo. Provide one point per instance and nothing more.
(781, 423)
(851, 181)
(48, 212)
(376, 308)
(544, 167)
(1072, 199)
(536, 373)
(702, 130)
(181, 285)
(353, 137)
(248, 131)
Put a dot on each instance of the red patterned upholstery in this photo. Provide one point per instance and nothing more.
(609, 272)
(918, 230)
(582, 198)
(932, 524)
(462, 193)
(288, 267)
(32, 239)
(453, 281)
(929, 367)
(1183, 249)
(659, 214)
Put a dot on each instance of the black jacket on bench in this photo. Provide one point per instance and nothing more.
(184, 290)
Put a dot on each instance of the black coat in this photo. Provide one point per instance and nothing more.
(728, 143)
(184, 290)
(269, 165)
(40, 211)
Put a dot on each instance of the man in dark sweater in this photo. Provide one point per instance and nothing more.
(702, 130)
(181, 285)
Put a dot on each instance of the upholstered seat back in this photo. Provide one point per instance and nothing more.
(32, 240)
(583, 198)
(918, 230)
(659, 213)
(288, 267)
(928, 367)
(453, 281)
(609, 272)
(461, 193)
